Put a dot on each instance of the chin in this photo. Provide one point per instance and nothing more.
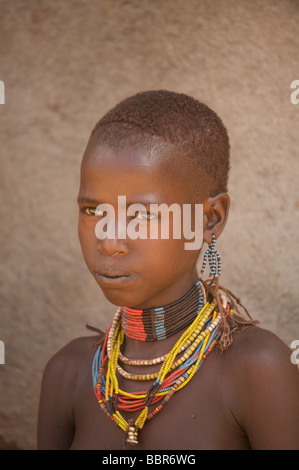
(121, 299)
(120, 296)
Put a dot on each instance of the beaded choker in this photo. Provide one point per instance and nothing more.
(177, 368)
(159, 323)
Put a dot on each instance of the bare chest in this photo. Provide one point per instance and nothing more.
(194, 418)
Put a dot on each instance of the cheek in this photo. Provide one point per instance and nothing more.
(182, 259)
(87, 241)
(167, 256)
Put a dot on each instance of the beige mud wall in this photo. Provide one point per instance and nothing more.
(64, 63)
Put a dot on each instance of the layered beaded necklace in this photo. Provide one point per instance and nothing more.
(177, 367)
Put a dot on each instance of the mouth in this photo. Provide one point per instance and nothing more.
(115, 278)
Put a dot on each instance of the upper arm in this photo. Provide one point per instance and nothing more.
(55, 419)
(268, 407)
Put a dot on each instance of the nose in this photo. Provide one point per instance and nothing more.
(112, 241)
(112, 247)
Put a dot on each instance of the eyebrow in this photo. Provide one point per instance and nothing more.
(87, 200)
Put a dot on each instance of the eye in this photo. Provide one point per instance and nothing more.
(92, 211)
(144, 215)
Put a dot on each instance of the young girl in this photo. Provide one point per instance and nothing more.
(182, 365)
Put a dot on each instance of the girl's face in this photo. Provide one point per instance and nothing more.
(136, 273)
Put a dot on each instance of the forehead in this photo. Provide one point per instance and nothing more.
(153, 154)
(144, 169)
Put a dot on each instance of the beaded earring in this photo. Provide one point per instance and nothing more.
(214, 259)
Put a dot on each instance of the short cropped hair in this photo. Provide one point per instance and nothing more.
(194, 129)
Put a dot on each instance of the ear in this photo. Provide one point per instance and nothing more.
(215, 214)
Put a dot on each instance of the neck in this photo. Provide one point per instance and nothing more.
(159, 323)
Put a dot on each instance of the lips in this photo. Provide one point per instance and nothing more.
(113, 273)
(110, 276)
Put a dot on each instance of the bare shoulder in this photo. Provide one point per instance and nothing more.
(261, 387)
(62, 379)
(259, 354)
(70, 358)
(258, 348)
